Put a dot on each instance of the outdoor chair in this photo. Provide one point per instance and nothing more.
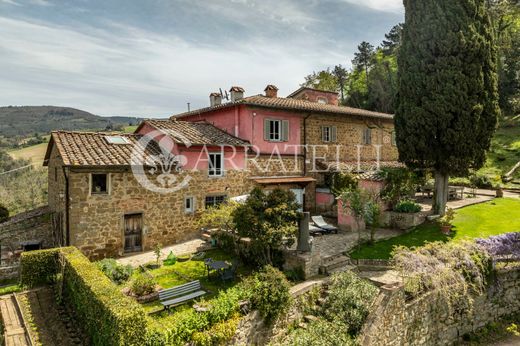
(229, 274)
(321, 223)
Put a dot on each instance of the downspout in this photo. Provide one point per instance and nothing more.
(67, 218)
(305, 144)
(305, 154)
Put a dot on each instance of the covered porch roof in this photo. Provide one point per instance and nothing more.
(283, 180)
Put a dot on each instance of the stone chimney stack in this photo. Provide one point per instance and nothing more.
(237, 93)
(215, 99)
(271, 91)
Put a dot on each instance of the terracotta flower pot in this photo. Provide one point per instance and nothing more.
(446, 229)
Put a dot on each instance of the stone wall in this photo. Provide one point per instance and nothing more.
(252, 330)
(35, 224)
(97, 220)
(349, 135)
(425, 321)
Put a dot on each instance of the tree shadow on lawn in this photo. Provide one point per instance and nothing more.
(418, 236)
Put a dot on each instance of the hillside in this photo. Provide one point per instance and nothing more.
(17, 123)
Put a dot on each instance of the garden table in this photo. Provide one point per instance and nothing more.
(217, 266)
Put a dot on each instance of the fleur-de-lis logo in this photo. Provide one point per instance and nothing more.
(161, 171)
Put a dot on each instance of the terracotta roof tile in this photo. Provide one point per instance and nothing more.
(93, 149)
(195, 133)
(291, 104)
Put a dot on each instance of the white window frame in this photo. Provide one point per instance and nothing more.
(329, 133)
(214, 197)
(322, 100)
(191, 209)
(212, 171)
(91, 181)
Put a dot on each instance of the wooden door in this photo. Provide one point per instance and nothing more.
(133, 232)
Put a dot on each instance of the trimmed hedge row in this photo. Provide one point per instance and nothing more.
(108, 316)
(39, 267)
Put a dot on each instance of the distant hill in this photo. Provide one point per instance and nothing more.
(24, 121)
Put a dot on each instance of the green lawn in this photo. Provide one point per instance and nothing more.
(476, 221)
(182, 272)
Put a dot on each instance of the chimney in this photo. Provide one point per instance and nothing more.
(215, 99)
(271, 91)
(237, 93)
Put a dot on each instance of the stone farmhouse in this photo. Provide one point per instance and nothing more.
(109, 199)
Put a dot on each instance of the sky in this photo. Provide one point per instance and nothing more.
(150, 58)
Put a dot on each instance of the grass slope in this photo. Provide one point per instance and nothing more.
(505, 151)
(34, 153)
(476, 221)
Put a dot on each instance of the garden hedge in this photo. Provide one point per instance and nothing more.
(106, 315)
(38, 267)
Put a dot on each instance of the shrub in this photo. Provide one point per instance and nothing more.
(503, 246)
(39, 267)
(269, 293)
(143, 284)
(218, 334)
(481, 181)
(4, 213)
(399, 183)
(339, 182)
(349, 301)
(453, 271)
(198, 327)
(320, 332)
(116, 272)
(407, 206)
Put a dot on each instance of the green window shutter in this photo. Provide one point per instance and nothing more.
(266, 129)
(333, 130)
(285, 130)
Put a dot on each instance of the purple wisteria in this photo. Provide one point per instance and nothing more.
(502, 247)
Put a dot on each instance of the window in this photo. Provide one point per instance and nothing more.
(328, 133)
(214, 201)
(394, 141)
(276, 130)
(189, 205)
(367, 136)
(117, 140)
(322, 100)
(215, 164)
(99, 183)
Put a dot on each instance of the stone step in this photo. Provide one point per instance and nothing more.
(333, 258)
(328, 265)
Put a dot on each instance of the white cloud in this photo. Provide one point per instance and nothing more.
(395, 6)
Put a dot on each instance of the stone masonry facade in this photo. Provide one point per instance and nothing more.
(425, 321)
(97, 221)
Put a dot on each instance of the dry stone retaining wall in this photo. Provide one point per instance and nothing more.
(425, 321)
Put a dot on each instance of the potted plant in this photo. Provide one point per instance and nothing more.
(446, 221)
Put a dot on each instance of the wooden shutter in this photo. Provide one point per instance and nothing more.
(266, 129)
(285, 130)
(323, 133)
(332, 135)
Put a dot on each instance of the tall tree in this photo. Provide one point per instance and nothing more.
(447, 101)
(363, 58)
(341, 75)
(322, 80)
(392, 40)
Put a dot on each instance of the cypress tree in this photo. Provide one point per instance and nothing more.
(447, 100)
